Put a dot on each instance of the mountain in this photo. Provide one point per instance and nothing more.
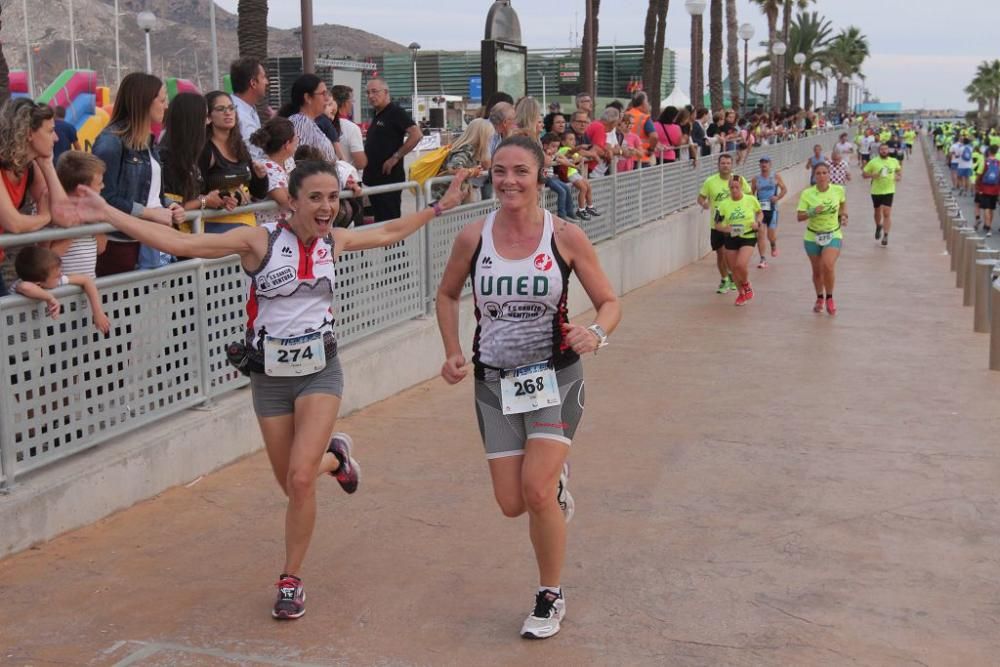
(181, 42)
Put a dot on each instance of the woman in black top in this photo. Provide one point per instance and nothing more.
(226, 166)
(180, 151)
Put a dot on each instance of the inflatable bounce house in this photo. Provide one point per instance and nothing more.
(88, 106)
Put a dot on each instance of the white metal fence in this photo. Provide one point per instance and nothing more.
(70, 388)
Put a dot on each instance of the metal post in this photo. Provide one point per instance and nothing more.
(149, 55)
(545, 100)
(118, 50)
(995, 327)
(27, 49)
(216, 82)
(984, 284)
(6, 425)
(746, 54)
(72, 38)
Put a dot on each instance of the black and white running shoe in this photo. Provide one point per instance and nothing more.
(546, 617)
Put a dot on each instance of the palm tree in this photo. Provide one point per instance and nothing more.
(988, 79)
(977, 93)
(733, 53)
(652, 52)
(595, 7)
(786, 26)
(715, 54)
(697, 61)
(770, 8)
(808, 34)
(251, 31)
(846, 53)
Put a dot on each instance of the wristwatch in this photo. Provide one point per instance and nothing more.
(602, 336)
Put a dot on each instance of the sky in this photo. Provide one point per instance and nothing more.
(916, 59)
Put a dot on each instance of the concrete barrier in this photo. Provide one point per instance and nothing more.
(995, 326)
(983, 280)
(970, 243)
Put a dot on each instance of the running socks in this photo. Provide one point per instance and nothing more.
(553, 589)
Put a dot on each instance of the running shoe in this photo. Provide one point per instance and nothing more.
(593, 212)
(762, 264)
(748, 291)
(774, 251)
(976, 226)
(544, 619)
(565, 498)
(723, 286)
(989, 233)
(291, 602)
(731, 286)
(581, 214)
(831, 307)
(348, 474)
(885, 240)
(818, 306)
(878, 232)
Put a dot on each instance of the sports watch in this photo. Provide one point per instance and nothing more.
(602, 336)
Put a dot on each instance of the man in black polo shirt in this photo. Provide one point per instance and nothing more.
(391, 135)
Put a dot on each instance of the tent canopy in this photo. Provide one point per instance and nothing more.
(677, 98)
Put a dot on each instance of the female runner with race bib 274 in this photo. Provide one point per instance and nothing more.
(528, 375)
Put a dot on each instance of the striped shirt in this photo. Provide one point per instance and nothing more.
(81, 257)
(309, 134)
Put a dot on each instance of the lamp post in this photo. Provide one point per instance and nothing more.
(815, 67)
(27, 50)
(777, 87)
(799, 59)
(827, 74)
(746, 34)
(696, 8)
(414, 47)
(147, 22)
(215, 46)
(72, 38)
(545, 101)
(118, 51)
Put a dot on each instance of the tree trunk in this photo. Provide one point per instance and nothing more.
(715, 56)
(843, 91)
(786, 26)
(661, 38)
(4, 70)
(807, 93)
(649, 44)
(733, 54)
(772, 36)
(697, 62)
(590, 47)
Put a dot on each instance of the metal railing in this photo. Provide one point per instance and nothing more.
(70, 388)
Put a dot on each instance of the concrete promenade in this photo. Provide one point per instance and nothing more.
(755, 486)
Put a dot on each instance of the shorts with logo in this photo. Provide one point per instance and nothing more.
(882, 200)
(718, 239)
(505, 435)
(737, 242)
(275, 396)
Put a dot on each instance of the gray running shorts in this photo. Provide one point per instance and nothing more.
(275, 396)
(505, 435)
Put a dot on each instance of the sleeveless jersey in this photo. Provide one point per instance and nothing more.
(291, 294)
(520, 305)
(766, 188)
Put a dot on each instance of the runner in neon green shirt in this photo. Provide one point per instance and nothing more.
(910, 138)
(823, 208)
(738, 217)
(714, 190)
(884, 172)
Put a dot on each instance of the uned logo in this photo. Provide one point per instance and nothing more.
(543, 262)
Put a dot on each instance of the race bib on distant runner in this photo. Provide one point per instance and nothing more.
(824, 239)
(736, 230)
(529, 388)
(765, 205)
(290, 357)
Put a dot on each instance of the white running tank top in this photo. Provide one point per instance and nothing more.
(291, 294)
(520, 305)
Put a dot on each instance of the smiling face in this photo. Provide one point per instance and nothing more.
(515, 177)
(315, 206)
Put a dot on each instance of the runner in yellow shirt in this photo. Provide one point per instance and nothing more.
(738, 218)
(823, 208)
(884, 172)
(715, 189)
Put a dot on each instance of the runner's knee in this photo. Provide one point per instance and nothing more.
(539, 497)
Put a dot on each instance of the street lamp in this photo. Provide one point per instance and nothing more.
(27, 49)
(746, 34)
(696, 8)
(777, 84)
(147, 23)
(799, 59)
(414, 47)
(215, 46)
(827, 74)
(815, 67)
(545, 101)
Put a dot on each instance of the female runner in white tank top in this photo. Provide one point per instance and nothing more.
(290, 321)
(529, 381)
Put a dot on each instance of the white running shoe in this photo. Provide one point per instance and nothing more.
(565, 498)
(544, 620)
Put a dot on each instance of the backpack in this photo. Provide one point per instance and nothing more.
(966, 153)
(991, 174)
(429, 164)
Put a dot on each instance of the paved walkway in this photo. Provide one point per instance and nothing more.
(756, 486)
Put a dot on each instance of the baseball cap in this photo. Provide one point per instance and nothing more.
(765, 158)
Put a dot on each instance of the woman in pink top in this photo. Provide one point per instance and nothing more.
(631, 145)
(670, 134)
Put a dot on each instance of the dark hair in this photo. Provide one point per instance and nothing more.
(550, 137)
(668, 115)
(304, 170)
(183, 142)
(306, 153)
(242, 72)
(638, 100)
(76, 168)
(529, 144)
(726, 156)
(273, 134)
(615, 104)
(130, 115)
(492, 100)
(34, 262)
(566, 133)
(234, 141)
(60, 111)
(304, 85)
(700, 113)
(341, 94)
(550, 120)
